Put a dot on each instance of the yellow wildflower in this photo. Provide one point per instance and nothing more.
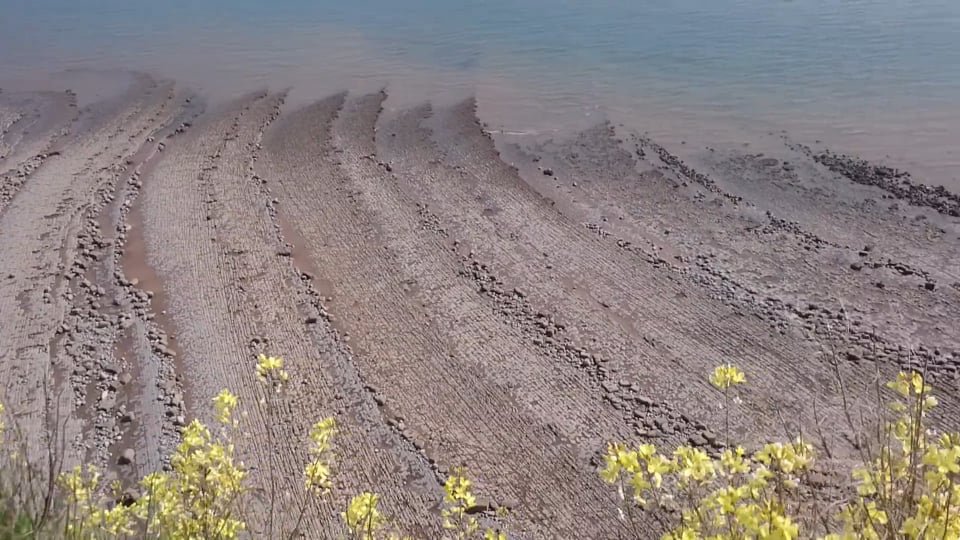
(787, 458)
(727, 375)
(224, 404)
(317, 475)
(322, 433)
(270, 368)
(362, 516)
(693, 464)
(491, 534)
(733, 462)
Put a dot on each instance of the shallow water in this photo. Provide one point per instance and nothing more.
(876, 77)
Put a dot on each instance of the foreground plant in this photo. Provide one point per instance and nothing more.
(196, 499)
(911, 485)
(908, 487)
(203, 494)
(725, 377)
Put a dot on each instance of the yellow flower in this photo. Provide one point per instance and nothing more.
(727, 375)
(693, 464)
(271, 368)
(224, 404)
(733, 461)
(317, 475)
(491, 534)
(458, 498)
(362, 516)
(787, 458)
(909, 383)
(783, 528)
(657, 466)
(317, 472)
(322, 433)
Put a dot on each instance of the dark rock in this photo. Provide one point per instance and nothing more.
(697, 440)
(548, 172)
(478, 507)
(127, 457)
(856, 266)
(929, 285)
(128, 497)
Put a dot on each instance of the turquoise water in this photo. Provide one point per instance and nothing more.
(880, 73)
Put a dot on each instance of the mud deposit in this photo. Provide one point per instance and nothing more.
(450, 298)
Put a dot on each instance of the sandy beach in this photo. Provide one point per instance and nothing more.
(452, 297)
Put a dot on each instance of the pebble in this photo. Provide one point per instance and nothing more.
(697, 440)
(127, 457)
(108, 401)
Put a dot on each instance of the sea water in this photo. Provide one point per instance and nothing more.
(876, 77)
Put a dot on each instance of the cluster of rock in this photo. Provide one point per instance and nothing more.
(679, 167)
(898, 183)
(106, 311)
(13, 180)
(648, 417)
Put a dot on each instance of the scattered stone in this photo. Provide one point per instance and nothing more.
(127, 457)
(478, 507)
(128, 497)
(108, 401)
(697, 440)
(548, 172)
(710, 436)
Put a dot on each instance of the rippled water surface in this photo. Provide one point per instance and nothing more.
(878, 77)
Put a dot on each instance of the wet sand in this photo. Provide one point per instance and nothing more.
(451, 296)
